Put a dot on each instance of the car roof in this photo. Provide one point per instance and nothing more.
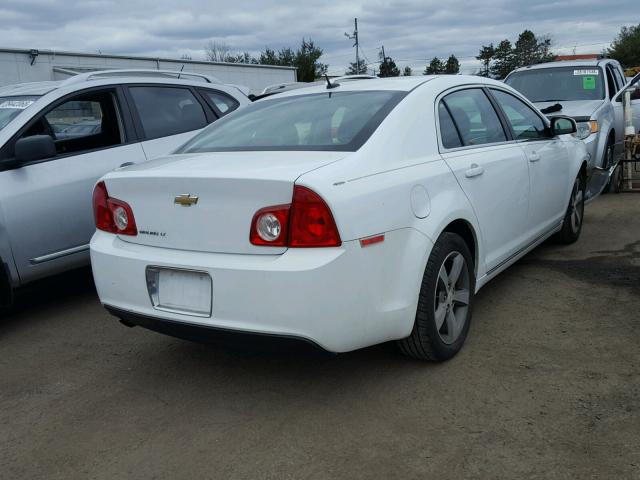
(114, 77)
(567, 63)
(404, 84)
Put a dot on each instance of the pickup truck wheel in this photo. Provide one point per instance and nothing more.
(616, 183)
(574, 216)
(607, 161)
(445, 302)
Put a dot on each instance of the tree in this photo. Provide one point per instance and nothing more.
(186, 56)
(452, 67)
(435, 67)
(388, 67)
(407, 72)
(357, 69)
(485, 56)
(503, 60)
(626, 47)
(530, 50)
(305, 59)
(216, 51)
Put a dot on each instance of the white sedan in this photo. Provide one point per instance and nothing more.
(344, 215)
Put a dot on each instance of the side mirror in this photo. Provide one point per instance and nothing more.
(36, 147)
(563, 126)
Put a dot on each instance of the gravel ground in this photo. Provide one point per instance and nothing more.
(547, 386)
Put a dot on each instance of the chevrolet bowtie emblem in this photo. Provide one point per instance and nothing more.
(186, 200)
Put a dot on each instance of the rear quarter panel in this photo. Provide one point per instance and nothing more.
(370, 191)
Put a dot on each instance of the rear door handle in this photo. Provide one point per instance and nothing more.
(474, 171)
(534, 156)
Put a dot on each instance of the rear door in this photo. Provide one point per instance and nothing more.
(47, 203)
(166, 116)
(549, 166)
(491, 169)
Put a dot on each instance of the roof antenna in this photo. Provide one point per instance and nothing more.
(329, 84)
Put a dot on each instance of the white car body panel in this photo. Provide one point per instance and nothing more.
(398, 184)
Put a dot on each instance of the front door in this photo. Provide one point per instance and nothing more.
(549, 166)
(47, 204)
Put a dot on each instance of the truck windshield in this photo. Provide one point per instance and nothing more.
(559, 83)
(10, 107)
(335, 121)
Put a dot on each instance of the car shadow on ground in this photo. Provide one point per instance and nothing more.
(53, 292)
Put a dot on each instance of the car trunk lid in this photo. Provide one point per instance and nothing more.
(206, 202)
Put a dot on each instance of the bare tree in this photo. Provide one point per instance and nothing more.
(216, 51)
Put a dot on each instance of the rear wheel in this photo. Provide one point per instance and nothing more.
(445, 302)
(574, 216)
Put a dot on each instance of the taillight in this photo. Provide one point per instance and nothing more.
(311, 223)
(306, 222)
(112, 215)
(270, 226)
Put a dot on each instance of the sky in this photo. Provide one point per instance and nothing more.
(411, 31)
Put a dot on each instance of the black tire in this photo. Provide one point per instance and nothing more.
(616, 182)
(426, 341)
(607, 161)
(572, 224)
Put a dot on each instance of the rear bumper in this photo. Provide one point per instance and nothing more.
(338, 298)
(204, 334)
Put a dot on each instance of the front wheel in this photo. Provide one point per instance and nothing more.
(445, 302)
(574, 216)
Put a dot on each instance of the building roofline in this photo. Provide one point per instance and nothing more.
(135, 57)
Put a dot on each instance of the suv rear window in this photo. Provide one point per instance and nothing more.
(559, 83)
(339, 121)
(167, 111)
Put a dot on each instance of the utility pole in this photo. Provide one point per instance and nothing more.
(354, 36)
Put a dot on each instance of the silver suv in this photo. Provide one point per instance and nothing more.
(58, 138)
(585, 90)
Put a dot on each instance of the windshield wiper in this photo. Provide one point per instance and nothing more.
(552, 108)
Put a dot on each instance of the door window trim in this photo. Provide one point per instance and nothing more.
(441, 148)
(209, 113)
(124, 121)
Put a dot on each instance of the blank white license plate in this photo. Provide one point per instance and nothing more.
(184, 290)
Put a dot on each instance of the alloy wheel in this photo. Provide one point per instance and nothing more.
(452, 297)
(577, 206)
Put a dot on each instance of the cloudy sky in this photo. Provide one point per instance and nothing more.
(412, 31)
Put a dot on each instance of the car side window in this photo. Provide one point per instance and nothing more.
(165, 111)
(526, 124)
(448, 132)
(613, 88)
(87, 122)
(224, 103)
(475, 118)
(619, 78)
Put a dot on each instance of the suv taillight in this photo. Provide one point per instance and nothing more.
(112, 215)
(306, 222)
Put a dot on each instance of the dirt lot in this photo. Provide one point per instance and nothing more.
(547, 386)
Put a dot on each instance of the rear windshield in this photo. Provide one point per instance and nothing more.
(559, 83)
(10, 107)
(338, 121)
